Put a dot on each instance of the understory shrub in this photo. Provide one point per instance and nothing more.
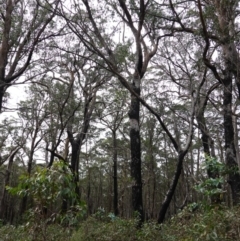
(212, 223)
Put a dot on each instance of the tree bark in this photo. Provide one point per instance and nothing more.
(115, 174)
(225, 12)
(135, 143)
(76, 147)
(231, 62)
(230, 151)
(76, 143)
(3, 202)
(172, 188)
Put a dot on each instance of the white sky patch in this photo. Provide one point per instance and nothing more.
(17, 94)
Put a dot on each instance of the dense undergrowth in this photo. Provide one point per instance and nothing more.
(207, 223)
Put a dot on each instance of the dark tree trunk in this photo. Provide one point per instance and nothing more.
(3, 202)
(2, 91)
(76, 143)
(226, 13)
(54, 146)
(230, 151)
(172, 188)
(115, 176)
(89, 199)
(4, 48)
(135, 141)
(75, 163)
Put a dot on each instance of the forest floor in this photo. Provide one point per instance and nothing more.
(218, 223)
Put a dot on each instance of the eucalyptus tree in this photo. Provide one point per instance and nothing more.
(90, 82)
(226, 16)
(86, 22)
(215, 23)
(144, 25)
(63, 85)
(24, 25)
(176, 94)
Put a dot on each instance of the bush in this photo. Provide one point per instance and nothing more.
(204, 223)
(48, 188)
(214, 223)
(103, 230)
(22, 233)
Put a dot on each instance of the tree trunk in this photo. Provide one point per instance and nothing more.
(135, 142)
(3, 202)
(29, 170)
(115, 175)
(226, 13)
(76, 143)
(230, 151)
(172, 188)
(2, 91)
(76, 146)
(235, 125)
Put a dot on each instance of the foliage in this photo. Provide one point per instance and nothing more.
(213, 165)
(210, 186)
(213, 186)
(219, 223)
(21, 233)
(95, 229)
(48, 187)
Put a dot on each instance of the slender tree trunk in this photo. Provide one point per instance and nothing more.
(2, 91)
(89, 199)
(65, 156)
(3, 201)
(24, 203)
(76, 143)
(115, 175)
(172, 188)
(235, 125)
(151, 186)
